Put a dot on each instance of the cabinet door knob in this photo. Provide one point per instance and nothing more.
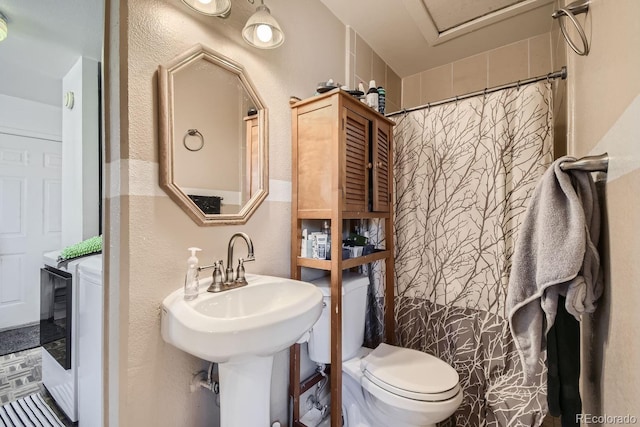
(379, 164)
(369, 165)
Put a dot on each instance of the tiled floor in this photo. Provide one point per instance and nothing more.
(21, 375)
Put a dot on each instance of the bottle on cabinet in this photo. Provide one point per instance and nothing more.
(372, 95)
(382, 99)
(326, 229)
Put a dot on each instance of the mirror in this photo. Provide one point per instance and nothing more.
(213, 138)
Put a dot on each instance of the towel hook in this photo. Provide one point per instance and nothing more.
(193, 132)
(575, 8)
(599, 163)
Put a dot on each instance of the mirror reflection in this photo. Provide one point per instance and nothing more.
(213, 137)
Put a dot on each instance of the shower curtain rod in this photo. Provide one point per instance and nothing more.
(562, 74)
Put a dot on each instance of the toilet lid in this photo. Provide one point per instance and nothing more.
(410, 373)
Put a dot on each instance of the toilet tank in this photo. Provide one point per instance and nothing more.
(354, 306)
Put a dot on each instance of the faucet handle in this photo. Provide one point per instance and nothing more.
(217, 276)
(207, 267)
(240, 272)
(218, 273)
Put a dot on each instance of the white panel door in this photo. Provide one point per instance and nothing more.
(30, 222)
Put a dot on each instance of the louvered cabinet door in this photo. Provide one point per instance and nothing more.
(381, 167)
(355, 185)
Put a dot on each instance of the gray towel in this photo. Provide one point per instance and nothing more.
(555, 254)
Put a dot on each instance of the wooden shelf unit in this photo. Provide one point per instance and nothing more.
(342, 170)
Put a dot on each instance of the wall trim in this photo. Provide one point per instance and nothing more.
(131, 177)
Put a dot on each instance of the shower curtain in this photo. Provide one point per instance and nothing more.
(464, 172)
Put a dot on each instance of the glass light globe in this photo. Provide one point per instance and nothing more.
(221, 8)
(264, 33)
(262, 30)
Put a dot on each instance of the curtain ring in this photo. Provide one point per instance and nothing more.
(193, 132)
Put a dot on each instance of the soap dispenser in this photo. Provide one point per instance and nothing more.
(191, 278)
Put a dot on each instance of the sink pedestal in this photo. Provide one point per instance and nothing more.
(232, 328)
(245, 391)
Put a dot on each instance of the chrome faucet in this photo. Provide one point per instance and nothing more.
(224, 282)
(239, 278)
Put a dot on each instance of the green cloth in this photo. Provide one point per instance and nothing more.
(86, 247)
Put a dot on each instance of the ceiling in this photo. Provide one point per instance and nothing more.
(416, 35)
(45, 39)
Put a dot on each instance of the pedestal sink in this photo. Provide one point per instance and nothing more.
(241, 329)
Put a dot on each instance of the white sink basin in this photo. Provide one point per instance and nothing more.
(259, 319)
(241, 329)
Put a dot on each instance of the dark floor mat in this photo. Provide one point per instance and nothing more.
(19, 339)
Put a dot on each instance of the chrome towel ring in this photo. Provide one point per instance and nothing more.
(575, 8)
(193, 132)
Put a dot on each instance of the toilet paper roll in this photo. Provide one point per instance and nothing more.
(312, 418)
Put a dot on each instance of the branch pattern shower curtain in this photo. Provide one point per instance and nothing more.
(464, 173)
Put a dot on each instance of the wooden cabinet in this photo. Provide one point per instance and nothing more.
(341, 144)
(342, 171)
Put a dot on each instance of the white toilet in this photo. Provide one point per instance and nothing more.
(387, 386)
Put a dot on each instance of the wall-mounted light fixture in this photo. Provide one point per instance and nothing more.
(262, 30)
(221, 8)
(4, 30)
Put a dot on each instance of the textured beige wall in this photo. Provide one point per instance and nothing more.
(148, 234)
(604, 106)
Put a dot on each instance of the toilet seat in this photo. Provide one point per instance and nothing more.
(409, 374)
